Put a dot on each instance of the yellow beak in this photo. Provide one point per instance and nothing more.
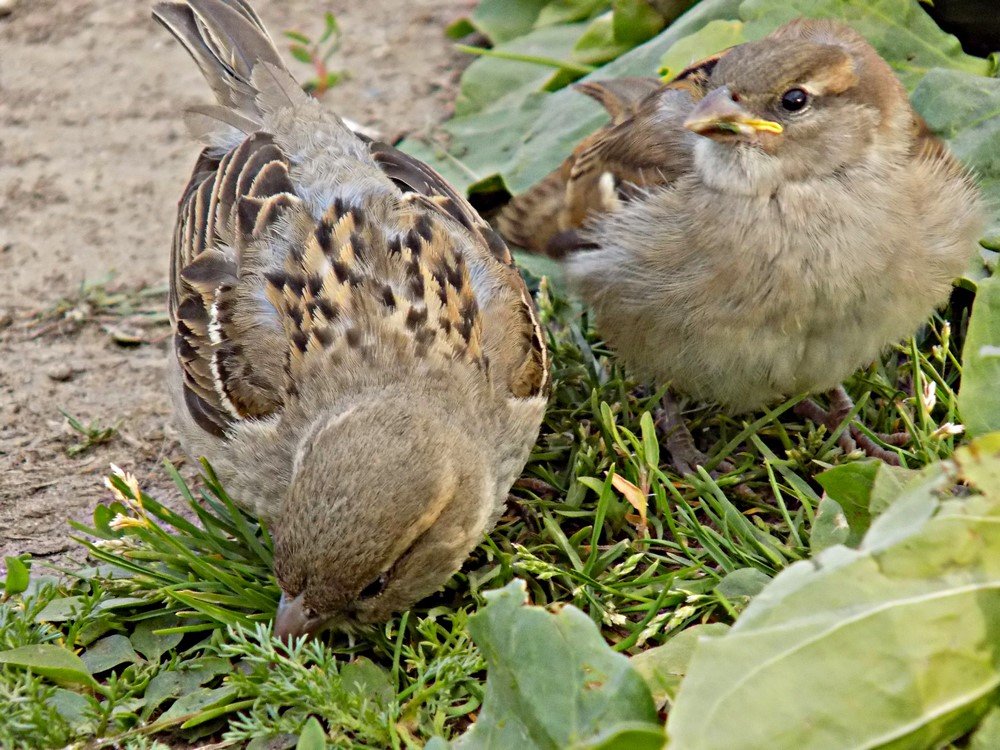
(718, 113)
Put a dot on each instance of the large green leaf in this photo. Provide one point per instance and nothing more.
(987, 736)
(502, 20)
(979, 397)
(565, 117)
(636, 21)
(901, 30)
(714, 37)
(526, 135)
(568, 11)
(663, 667)
(978, 465)
(893, 645)
(60, 665)
(553, 682)
(491, 78)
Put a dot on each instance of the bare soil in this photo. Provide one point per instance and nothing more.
(93, 156)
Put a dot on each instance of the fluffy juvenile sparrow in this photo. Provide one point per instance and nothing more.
(354, 350)
(764, 226)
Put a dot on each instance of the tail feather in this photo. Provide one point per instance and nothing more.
(531, 219)
(543, 220)
(237, 56)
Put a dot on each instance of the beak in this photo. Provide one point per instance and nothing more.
(291, 620)
(718, 114)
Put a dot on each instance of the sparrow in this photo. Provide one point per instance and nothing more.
(761, 227)
(354, 350)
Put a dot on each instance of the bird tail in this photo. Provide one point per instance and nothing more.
(531, 219)
(237, 56)
(540, 220)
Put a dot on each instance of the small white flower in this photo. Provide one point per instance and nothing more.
(121, 521)
(948, 429)
(929, 396)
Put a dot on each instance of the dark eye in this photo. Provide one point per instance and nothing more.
(374, 588)
(794, 99)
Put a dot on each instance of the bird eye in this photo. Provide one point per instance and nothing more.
(374, 588)
(794, 99)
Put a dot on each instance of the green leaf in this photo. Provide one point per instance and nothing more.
(479, 145)
(526, 135)
(58, 664)
(296, 36)
(301, 54)
(60, 610)
(964, 109)
(629, 735)
(201, 699)
(905, 513)
(987, 736)
(502, 20)
(905, 628)
(489, 79)
(17, 576)
(313, 737)
(830, 526)
(459, 28)
(851, 486)
(541, 265)
(636, 21)
(664, 666)
(900, 30)
(979, 463)
(570, 11)
(565, 117)
(73, 707)
(889, 486)
(552, 681)
(368, 679)
(151, 644)
(742, 585)
(979, 397)
(109, 652)
(330, 26)
(177, 682)
(597, 44)
(714, 37)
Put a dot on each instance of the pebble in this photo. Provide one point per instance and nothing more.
(59, 373)
(7, 7)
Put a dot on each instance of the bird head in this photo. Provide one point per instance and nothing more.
(808, 100)
(387, 499)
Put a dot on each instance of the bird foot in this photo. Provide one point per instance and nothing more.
(853, 437)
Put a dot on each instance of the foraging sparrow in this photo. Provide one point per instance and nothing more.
(354, 350)
(762, 227)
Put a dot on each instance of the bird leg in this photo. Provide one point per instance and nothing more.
(852, 437)
(684, 454)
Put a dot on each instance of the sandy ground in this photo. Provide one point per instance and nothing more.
(93, 156)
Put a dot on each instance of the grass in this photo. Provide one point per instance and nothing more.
(129, 315)
(174, 612)
(91, 435)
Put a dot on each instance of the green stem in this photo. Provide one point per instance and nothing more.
(549, 62)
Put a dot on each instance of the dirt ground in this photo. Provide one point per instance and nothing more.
(93, 156)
